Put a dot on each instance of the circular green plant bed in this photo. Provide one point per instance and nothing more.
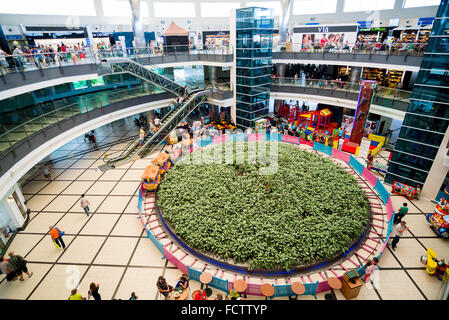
(309, 210)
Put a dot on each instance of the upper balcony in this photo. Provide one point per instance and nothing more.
(29, 72)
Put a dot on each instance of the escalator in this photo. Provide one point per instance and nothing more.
(177, 114)
(144, 72)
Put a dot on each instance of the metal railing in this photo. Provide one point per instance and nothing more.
(397, 48)
(52, 113)
(40, 60)
(382, 92)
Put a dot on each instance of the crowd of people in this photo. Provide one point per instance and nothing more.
(336, 43)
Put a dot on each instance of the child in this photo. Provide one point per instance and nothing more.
(371, 266)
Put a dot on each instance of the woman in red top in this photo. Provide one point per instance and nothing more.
(200, 295)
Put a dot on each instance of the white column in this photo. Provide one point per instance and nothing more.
(437, 172)
(11, 212)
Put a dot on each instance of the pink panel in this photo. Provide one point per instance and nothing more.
(178, 264)
(341, 155)
(323, 286)
(307, 143)
(256, 137)
(370, 177)
(290, 139)
(390, 208)
(220, 139)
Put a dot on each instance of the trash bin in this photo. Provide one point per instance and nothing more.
(351, 284)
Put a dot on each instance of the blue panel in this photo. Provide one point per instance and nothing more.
(356, 165)
(311, 289)
(322, 148)
(283, 290)
(382, 191)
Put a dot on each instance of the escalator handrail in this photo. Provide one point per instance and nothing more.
(127, 60)
(184, 105)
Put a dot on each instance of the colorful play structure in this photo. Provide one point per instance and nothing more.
(405, 190)
(186, 261)
(439, 220)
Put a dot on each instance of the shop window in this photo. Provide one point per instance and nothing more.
(49, 7)
(421, 3)
(366, 5)
(314, 7)
(218, 9)
(174, 9)
(117, 8)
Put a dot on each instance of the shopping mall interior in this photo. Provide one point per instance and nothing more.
(224, 150)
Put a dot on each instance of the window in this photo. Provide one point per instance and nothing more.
(275, 5)
(174, 9)
(313, 6)
(420, 3)
(218, 9)
(120, 8)
(49, 7)
(368, 5)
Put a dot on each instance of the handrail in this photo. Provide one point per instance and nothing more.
(386, 92)
(84, 105)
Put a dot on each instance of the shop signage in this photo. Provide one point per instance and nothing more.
(325, 29)
(425, 21)
(365, 24)
(373, 29)
(14, 37)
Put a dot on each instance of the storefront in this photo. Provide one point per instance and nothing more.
(215, 38)
(384, 77)
(323, 36)
(374, 34)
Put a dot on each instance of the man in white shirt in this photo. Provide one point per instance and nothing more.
(399, 231)
(85, 204)
(340, 143)
(157, 122)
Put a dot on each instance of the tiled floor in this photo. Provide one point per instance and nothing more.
(109, 246)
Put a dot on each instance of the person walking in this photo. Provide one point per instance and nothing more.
(19, 265)
(93, 292)
(56, 235)
(400, 229)
(8, 269)
(401, 213)
(370, 268)
(85, 204)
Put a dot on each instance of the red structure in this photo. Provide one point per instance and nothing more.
(361, 114)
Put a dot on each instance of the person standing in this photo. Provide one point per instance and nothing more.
(400, 229)
(56, 235)
(93, 292)
(401, 213)
(340, 143)
(46, 172)
(85, 204)
(370, 268)
(133, 296)
(19, 265)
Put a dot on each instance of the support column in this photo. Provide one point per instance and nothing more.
(438, 171)
(213, 77)
(139, 35)
(281, 69)
(356, 72)
(286, 6)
